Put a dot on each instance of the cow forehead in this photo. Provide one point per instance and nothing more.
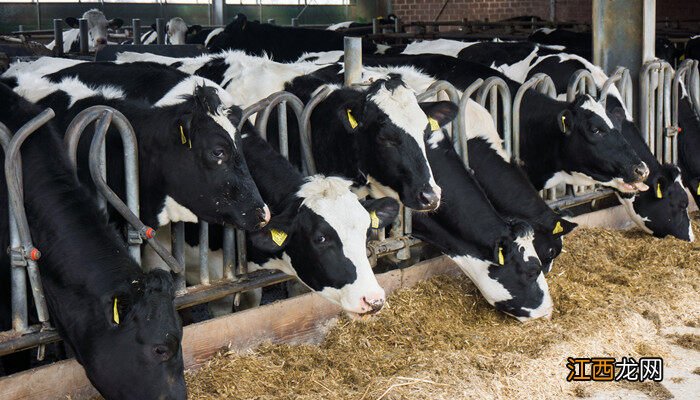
(401, 106)
(596, 108)
(177, 24)
(332, 199)
(95, 17)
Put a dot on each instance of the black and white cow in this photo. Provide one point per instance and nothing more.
(689, 144)
(176, 32)
(97, 31)
(120, 322)
(660, 211)
(317, 233)
(282, 43)
(573, 143)
(496, 253)
(351, 119)
(361, 28)
(191, 165)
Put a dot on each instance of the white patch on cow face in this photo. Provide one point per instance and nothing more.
(545, 309)
(596, 108)
(211, 35)
(177, 30)
(401, 106)
(332, 200)
(221, 118)
(174, 212)
(478, 272)
(97, 26)
(439, 46)
(526, 246)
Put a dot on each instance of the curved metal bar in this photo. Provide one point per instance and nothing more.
(96, 161)
(462, 138)
(543, 84)
(683, 74)
(18, 278)
(489, 89)
(692, 83)
(434, 90)
(654, 74)
(13, 175)
(107, 115)
(283, 99)
(623, 82)
(581, 82)
(308, 163)
(253, 109)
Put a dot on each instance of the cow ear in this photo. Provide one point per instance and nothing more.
(194, 29)
(72, 22)
(563, 227)
(270, 239)
(382, 211)
(442, 112)
(184, 129)
(115, 23)
(658, 185)
(500, 251)
(565, 120)
(116, 307)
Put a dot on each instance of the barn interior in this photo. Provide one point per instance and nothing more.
(624, 285)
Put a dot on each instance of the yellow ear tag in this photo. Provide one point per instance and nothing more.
(698, 190)
(434, 125)
(184, 138)
(375, 219)
(501, 259)
(115, 312)
(352, 120)
(558, 228)
(278, 236)
(563, 121)
(659, 195)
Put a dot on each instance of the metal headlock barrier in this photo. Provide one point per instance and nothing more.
(23, 253)
(581, 82)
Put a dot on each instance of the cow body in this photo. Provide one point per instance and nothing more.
(192, 166)
(283, 44)
(97, 32)
(120, 323)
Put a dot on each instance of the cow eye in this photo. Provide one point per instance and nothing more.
(218, 153)
(319, 239)
(597, 131)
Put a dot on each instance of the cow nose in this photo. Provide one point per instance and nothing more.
(428, 199)
(642, 171)
(372, 303)
(101, 40)
(263, 215)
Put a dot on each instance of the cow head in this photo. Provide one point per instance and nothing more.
(663, 209)
(204, 170)
(594, 151)
(511, 279)
(133, 349)
(97, 27)
(391, 128)
(548, 242)
(176, 30)
(322, 234)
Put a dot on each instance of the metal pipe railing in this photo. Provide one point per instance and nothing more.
(434, 91)
(655, 104)
(103, 116)
(490, 89)
(23, 253)
(462, 138)
(136, 30)
(622, 80)
(58, 37)
(581, 82)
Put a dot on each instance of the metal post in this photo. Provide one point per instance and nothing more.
(353, 60)
(295, 22)
(83, 26)
(160, 31)
(177, 244)
(58, 37)
(375, 26)
(397, 25)
(229, 250)
(203, 253)
(136, 25)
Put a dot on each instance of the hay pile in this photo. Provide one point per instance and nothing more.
(613, 291)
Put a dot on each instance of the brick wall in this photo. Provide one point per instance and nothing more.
(566, 10)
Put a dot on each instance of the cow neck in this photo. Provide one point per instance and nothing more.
(540, 137)
(689, 138)
(465, 208)
(631, 134)
(505, 184)
(274, 176)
